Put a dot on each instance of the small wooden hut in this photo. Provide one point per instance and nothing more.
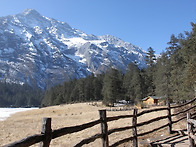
(151, 100)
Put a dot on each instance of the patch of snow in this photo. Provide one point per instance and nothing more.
(33, 51)
(28, 35)
(47, 18)
(53, 30)
(30, 58)
(88, 70)
(79, 55)
(49, 44)
(7, 112)
(83, 60)
(31, 44)
(75, 41)
(38, 30)
(16, 20)
(11, 31)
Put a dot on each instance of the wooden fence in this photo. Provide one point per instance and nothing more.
(47, 134)
(191, 123)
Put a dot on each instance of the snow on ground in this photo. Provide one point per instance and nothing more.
(7, 112)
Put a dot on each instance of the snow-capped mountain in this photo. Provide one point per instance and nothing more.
(42, 51)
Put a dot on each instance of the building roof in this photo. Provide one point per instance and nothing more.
(153, 97)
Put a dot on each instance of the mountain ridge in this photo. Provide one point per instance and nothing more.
(43, 52)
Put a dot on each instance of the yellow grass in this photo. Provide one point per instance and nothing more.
(23, 124)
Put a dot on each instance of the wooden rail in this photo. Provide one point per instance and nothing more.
(47, 134)
(191, 123)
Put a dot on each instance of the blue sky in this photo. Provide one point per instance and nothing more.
(144, 23)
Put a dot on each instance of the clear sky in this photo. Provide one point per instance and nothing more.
(144, 23)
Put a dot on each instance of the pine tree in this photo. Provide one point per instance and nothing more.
(144, 81)
(162, 76)
(98, 84)
(112, 87)
(150, 61)
(189, 54)
(132, 83)
(175, 67)
(150, 58)
(173, 45)
(89, 88)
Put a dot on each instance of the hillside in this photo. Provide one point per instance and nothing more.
(42, 51)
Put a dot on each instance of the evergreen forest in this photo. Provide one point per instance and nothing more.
(15, 95)
(171, 75)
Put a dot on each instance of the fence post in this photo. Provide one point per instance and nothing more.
(190, 131)
(169, 117)
(47, 131)
(104, 128)
(134, 130)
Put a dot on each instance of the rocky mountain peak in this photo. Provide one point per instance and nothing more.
(42, 51)
(31, 12)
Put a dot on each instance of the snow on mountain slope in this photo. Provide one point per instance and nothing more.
(42, 51)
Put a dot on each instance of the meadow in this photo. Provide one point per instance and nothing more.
(27, 123)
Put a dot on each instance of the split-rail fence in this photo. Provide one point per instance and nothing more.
(47, 134)
(191, 124)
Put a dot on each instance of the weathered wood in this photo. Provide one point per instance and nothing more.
(134, 129)
(151, 110)
(190, 131)
(169, 117)
(47, 131)
(28, 141)
(192, 121)
(140, 124)
(192, 136)
(183, 111)
(151, 121)
(184, 117)
(119, 129)
(68, 130)
(193, 115)
(118, 117)
(104, 128)
(191, 101)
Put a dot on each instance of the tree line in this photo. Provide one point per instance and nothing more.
(15, 95)
(171, 75)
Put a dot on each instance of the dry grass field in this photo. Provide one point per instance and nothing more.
(23, 124)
